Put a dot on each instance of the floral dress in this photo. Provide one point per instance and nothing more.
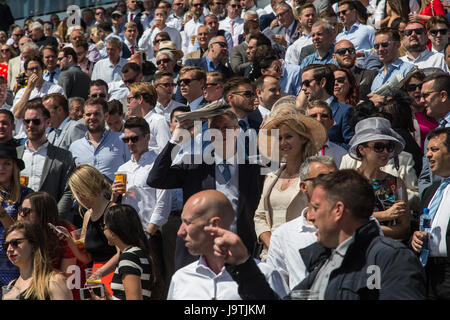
(8, 271)
(385, 194)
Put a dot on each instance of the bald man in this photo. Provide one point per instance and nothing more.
(345, 55)
(207, 279)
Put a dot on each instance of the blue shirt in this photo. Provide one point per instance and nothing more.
(395, 68)
(47, 74)
(104, 70)
(291, 79)
(211, 67)
(314, 58)
(362, 36)
(110, 154)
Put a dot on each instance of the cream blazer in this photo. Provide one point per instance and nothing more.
(263, 215)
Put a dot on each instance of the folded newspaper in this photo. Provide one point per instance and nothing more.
(392, 83)
(210, 110)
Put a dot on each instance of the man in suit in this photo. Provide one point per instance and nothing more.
(216, 59)
(134, 15)
(74, 81)
(238, 55)
(64, 130)
(191, 83)
(286, 32)
(48, 167)
(241, 183)
(436, 199)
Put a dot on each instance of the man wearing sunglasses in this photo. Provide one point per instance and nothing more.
(417, 53)
(175, 19)
(131, 73)
(164, 85)
(216, 59)
(74, 81)
(191, 83)
(387, 45)
(438, 32)
(98, 89)
(48, 167)
(233, 23)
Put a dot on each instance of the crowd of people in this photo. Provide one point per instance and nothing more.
(329, 137)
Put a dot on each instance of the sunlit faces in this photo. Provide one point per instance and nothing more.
(432, 100)
(322, 115)
(269, 93)
(164, 87)
(376, 152)
(310, 86)
(94, 118)
(234, 9)
(386, 48)
(50, 59)
(344, 54)
(308, 17)
(439, 156)
(415, 38)
(320, 37)
(251, 49)
(341, 84)
(34, 68)
(35, 124)
(290, 143)
(135, 140)
(20, 249)
(6, 128)
(6, 171)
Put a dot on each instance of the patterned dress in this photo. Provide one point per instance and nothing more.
(385, 194)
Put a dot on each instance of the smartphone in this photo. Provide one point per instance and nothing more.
(99, 290)
(52, 226)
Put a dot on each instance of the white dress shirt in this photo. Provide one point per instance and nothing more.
(47, 87)
(166, 111)
(427, 59)
(152, 205)
(197, 281)
(190, 30)
(285, 243)
(263, 110)
(118, 90)
(238, 27)
(146, 41)
(105, 70)
(34, 165)
(175, 22)
(438, 243)
(159, 131)
(293, 51)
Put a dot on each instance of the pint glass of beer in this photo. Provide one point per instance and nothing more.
(24, 180)
(121, 177)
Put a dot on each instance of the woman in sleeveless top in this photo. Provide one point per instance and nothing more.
(281, 199)
(25, 247)
(374, 143)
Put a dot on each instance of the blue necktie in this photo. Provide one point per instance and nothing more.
(52, 76)
(443, 123)
(225, 171)
(437, 199)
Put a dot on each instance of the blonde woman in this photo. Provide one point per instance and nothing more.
(11, 197)
(281, 200)
(25, 247)
(88, 186)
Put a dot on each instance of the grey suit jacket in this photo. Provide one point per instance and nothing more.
(73, 130)
(239, 59)
(75, 82)
(306, 51)
(58, 166)
(13, 71)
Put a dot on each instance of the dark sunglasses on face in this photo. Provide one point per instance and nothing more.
(443, 32)
(24, 211)
(197, 5)
(98, 95)
(318, 176)
(383, 44)
(246, 94)
(379, 147)
(14, 243)
(418, 31)
(307, 83)
(158, 62)
(132, 139)
(185, 81)
(234, 6)
(413, 87)
(343, 51)
(36, 122)
(166, 84)
(344, 12)
(340, 79)
(131, 80)
(5, 50)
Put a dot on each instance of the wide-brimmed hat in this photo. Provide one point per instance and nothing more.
(170, 46)
(305, 126)
(372, 129)
(9, 151)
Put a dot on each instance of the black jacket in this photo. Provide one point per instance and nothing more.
(402, 276)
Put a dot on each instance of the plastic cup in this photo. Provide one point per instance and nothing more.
(304, 295)
(10, 293)
(122, 178)
(92, 279)
(76, 236)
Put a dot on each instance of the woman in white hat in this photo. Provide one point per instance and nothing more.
(297, 138)
(374, 143)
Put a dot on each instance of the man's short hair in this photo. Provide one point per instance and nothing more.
(167, 53)
(393, 34)
(217, 76)
(180, 109)
(438, 19)
(58, 100)
(261, 39)
(320, 104)
(325, 24)
(250, 24)
(159, 75)
(350, 3)
(36, 104)
(233, 83)
(36, 25)
(68, 51)
(36, 59)
(322, 71)
(437, 132)
(30, 44)
(105, 26)
(352, 189)
(327, 14)
(51, 48)
(9, 114)
(199, 73)
(304, 7)
(145, 90)
(306, 165)
(441, 82)
(130, 25)
(285, 6)
(137, 122)
(115, 107)
(99, 83)
(97, 101)
(259, 83)
(163, 35)
(115, 42)
(136, 68)
(81, 43)
(79, 99)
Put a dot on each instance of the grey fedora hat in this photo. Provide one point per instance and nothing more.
(375, 128)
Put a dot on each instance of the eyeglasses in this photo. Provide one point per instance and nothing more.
(133, 139)
(98, 95)
(307, 83)
(166, 84)
(158, 62)
(281, 14)
(14, 243)
(185, 81)
(5, 50)
(219, 3)
(343, 51)
(211, 84)
(343, 12)
(60, 58)
(340, 79)
(246, 94)
(222, 44)
(178, 4)
(131, 98)
(427, 94)
(98, 13)
(34, 69)
(383, 44)
(24, 211)
(418, 31)
(234, 6)
(379, 147)
(36, 122)
(197, 5)
(322, 115)
(435, 32)
(159, 40)
(413, 87)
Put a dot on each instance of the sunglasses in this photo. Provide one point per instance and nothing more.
(340, 79)
(178, 4)
(211, 84)
(307, 83)
(234, 6)
(322, 115)
(383, 44)
(435, 32)
(197, 5)
(343, 51)
(131, 80)
(5, 50)
(24, 211)
(14, 243)
(36, 122)
(158, 62)
(418, 31)
(98, 95)
(166, 84)
(318, 176)
(379, 147)
(132, 139)
(185, 81)
(131, 98)
(159, 40)
(413, 87)
(246, 94)
(222, 44)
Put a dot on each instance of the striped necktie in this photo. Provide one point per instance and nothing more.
(443, 123)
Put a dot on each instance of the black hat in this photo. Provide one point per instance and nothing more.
(9, 151)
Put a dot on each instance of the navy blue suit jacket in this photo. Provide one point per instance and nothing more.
(202, 63)
(341, 132)
(265, 20)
